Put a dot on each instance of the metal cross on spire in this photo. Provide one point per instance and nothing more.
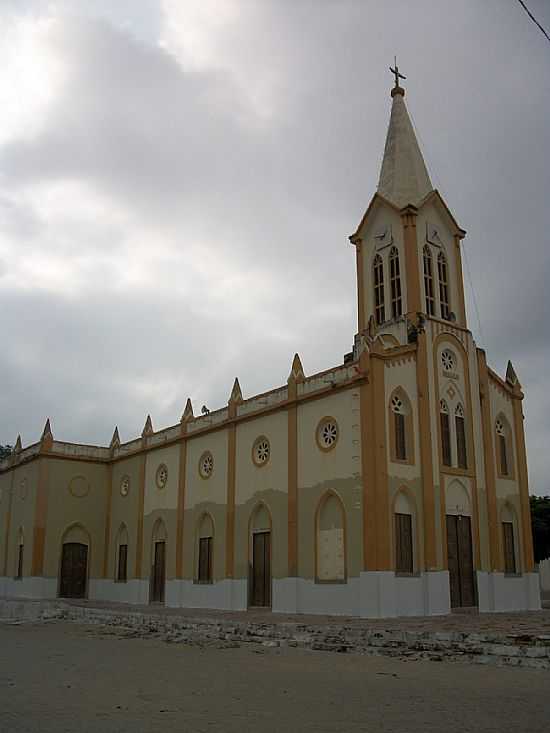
(396, 73)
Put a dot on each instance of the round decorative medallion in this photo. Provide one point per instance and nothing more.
(23, 489)
(162, 476)
(125, 485)
(206, 464)
(261, 451)
(448, 360)
(79, 487)
(327, 433)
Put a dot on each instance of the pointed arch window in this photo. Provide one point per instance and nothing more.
(379, 306)
(205, 549)
(445, 426)
(395, 284)
(460, 428)
(400, 427)
(504, 448)
(429, 281)
(509, 530)
(443, 277)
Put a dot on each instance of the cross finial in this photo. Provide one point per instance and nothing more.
(395, 72)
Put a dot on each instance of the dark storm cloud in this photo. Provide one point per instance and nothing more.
(175, 218)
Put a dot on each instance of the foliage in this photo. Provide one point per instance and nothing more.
(540, 520)
(5, 451)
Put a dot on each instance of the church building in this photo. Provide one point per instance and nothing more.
(393, 484)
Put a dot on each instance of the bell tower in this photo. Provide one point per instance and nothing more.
(409, 264)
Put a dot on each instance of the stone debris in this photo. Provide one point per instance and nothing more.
(531, 650)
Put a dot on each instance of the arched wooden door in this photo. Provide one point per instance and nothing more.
(158, 563)
(74, 570)
(260, 570)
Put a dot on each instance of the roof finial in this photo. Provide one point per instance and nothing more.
(395, 71)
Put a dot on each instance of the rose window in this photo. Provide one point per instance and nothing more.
(206, 464)
(327, 433)
(261, 451)
(448, 361)
(162, 476)
(125, 485)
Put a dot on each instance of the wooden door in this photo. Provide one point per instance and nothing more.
(460, 561)
(74, 570)
(158, 573)
(261, 569)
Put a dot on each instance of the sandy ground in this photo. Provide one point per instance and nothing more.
(64, 677)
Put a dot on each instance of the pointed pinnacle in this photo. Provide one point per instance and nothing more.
(115, 440)
(18, 447)
(188, 412)
(236, 394)
(148, 427)
(297, 370)
(47, 432)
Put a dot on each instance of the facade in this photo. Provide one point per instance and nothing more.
(393, 484)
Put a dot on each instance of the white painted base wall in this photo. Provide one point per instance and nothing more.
(371, 595)
(499, 592)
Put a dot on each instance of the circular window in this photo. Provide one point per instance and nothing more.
(125, 485)
(448, 360)
(79, 487)
(261, 451)
(162, 476)
(206, 464)
(327, 433)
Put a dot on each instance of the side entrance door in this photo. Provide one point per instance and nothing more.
(158, 573)
(460, 559)
(74, 570)
(261, 569)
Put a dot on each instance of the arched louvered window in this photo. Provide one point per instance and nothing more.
(395, 284)
(378, 272)
(443, 286)
(460, 427)
(445, 426)
(398, 409)
(429, 281)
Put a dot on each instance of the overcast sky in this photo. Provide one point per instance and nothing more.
(178, 179)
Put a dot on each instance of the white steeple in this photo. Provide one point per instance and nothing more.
(404, 177)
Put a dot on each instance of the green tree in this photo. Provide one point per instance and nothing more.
(540, 522)
(5, 451)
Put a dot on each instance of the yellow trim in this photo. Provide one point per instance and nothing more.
(230, 508)
(181, 507)
(528, 557)
(360, 260)
(412, 270)
(292, 498)
(108, 510)
(461, 315)
(489, 460)
(40, 516)
(8, 524)
(141, 502)
(425, 431)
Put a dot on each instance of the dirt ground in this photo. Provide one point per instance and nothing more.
(64, 677)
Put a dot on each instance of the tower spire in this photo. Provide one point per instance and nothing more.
(404, 178)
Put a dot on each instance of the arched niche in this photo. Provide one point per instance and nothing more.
(330, 539)
(457, 500)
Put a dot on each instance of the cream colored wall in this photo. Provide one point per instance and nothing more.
(382, 216)
(5, 489)
(25, 480)
(338, 470)
(160, 504)
(64, 509)
(124, 510)
(205, 495)
(268, 484)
